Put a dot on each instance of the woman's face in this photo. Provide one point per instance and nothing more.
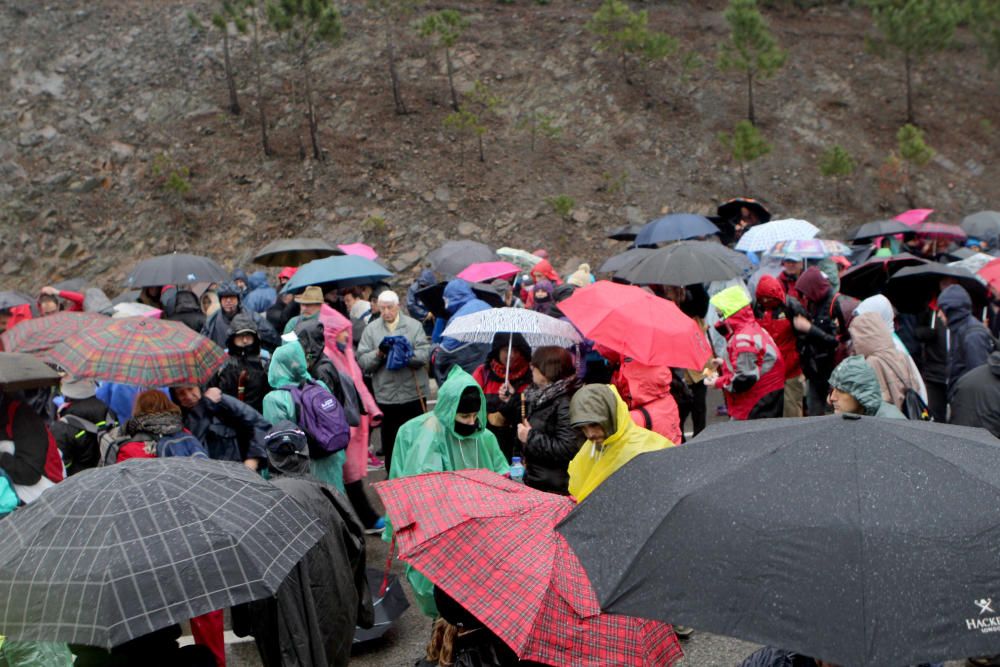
(343, 336)
(538, 378)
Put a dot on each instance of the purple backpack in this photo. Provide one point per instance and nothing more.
(322, 417)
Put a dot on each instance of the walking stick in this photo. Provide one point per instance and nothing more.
(420, 394)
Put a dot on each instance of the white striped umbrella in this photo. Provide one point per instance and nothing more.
(763, 237)
(537, 328)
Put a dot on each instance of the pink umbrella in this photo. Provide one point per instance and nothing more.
(941, 230)
(359, 249)
(485, 271)
(914, 216)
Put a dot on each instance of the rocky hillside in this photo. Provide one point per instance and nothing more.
(115, 142)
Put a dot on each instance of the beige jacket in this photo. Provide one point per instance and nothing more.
(873, 340)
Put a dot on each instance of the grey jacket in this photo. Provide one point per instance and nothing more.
(396, 386)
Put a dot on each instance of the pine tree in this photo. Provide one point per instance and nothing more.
(392, 13)
(745, 144)
(914, 153)
(446, 26)
(626, 33)
(836, 163)
(221, 19)
(248, 21)
(751, 48)
(985, 22)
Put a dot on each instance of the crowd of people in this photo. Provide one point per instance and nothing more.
(786, 343)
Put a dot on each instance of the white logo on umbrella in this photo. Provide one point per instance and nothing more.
(985, 605)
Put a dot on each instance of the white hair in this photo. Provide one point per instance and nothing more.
(389, 298)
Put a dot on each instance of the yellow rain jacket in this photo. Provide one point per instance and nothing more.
(601, 404)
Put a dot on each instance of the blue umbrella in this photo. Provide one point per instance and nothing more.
(675, 227)
(337, 271)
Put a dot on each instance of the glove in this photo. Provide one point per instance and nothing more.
(384, 346)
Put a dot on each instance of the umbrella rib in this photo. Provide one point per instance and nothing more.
(861, 550)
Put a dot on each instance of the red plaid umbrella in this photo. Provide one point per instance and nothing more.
(516, 574)
(140, 351)
(39, 335)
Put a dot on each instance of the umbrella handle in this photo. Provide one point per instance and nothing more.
(510, 347)
(388, 565)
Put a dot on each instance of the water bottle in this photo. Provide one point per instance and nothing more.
(517, 470)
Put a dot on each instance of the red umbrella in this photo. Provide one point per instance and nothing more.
(914, 216)
(483, 272)
(991, 274)
(637, 324)
(490, 544)
(940, 230)
(140, 351)
(39, 335)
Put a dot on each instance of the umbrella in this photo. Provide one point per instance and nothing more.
(140, 351)
(128, 296)
(388, 605)
(454, 256)
(121, 551)
(335, 272)
(911, 289)
(20, 371)
(175, 269)
(637, 324)
(522, 258)
(810, 248)
(40, 334)
(870, 278)
(914, 216)
(675, 227)
(762, 237)
(486, 271)
(293, 252)
(625, 233)
(537, 328)
(9, 299)
(983, 225)
(974, 262)
(135, 309)
(940, 230)
(359, 249)
(871, 230)
(991, 273)
(686, 263)
(71, 285)
(478, 537)
(624, 260)
(433, 297)
(730, 210)
(844, 538)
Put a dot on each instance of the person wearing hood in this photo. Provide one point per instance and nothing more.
(976, 397)
(500, 387)
(970, 342)
(239, 278)
(416, 308)
(854, 389)
(309, 303)
(230, 429)
(187, 310)
(218, 325)
(647, 394)
(612, 438)
(260, 296)
(289, 367)
(792, 267)
(880, 305)
(451, 437)
(311, 334)
(244, 373)
(752, 373)
(873, 340)
(459, 300)
(774, 313)
(543, 298)
(506, 292)
(82, 419)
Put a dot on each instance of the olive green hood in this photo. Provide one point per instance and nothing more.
(594, 404)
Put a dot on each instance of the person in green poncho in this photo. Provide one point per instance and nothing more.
(290, 367)
(452, 437)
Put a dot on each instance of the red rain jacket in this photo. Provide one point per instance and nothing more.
(778, 323)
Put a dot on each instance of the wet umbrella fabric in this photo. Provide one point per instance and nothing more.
(19, 371)
(912, 288)
(914, 216)
(121, 551)
(940, 230)
(293, 252)
(763, 237)
(810, 248)
(522, 258)
(359, 249)
(983, 225)
(870, 278)
(625, 233)
(537, 328)
(433, 297)
(37, 336)
(871, 230)
(675, 227)
(175, 269)
(485, 271)
(9, 299)
(335, 272)
(388, 605)
(624, 260)
(991, 274)
(686, 263)
(730, 210)
(454, 256)
(850, 540)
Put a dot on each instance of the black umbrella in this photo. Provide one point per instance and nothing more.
(9, 299)
(118, 552)
(730, 210)
(175, 269)
(868, 279)
(20, 371)
(624, 260)
(858, 541)
(912, 288)
(128, 296)
(871, 230)
(625, 233)
(675, 227)
(454, 256)
(388, 605)
(984, 225)
(686, 263)
(433, 297)
(293, 252)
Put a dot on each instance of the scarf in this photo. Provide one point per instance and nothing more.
(157, 424)
(345, 361)
(536, 395)
(519, 369)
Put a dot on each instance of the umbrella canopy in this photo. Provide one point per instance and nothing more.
(121, 551)
(637, 324)
(848, 539)
(914, 216)
(763, 237)
(871, 230)
(359, 249)
(625, 233)
(433, 297)
(9, 299)
(293, 252)
(625, 260)
(974, 262)
(983, 225)
(731, 209)
(72, 285)
(454, 256)
(912, 288)
(991, 274)
(39, 335)
(175, 269)
(478, 536)
(810, 248)
(940, 230)
(537, 328)
(19, 371)
(686, 263)
(388, 605)
(522, 258)
(486, 271)
(335, 272)
(870, 278)
(675, 227)
(140, 351)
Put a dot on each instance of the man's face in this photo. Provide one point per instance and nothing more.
(244, 339)
(188, 397)
(48, 307)
(241, 284)
(595, 433)
(309, 309)
(349, 301)
(229, 304)
(389, 312)
(467, 418)
(792, 267)
(843, 402)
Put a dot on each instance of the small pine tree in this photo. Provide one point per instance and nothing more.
(446, 26)
(392, 13)
(221, 19)
(751, 48)
(248, 21)
(836, 163)
(626, 32)
(745, 144)
(985, 22)
(914, 153)
(538, 123)
(464, 122)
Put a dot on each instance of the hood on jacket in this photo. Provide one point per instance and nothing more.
(871, 335)
(547, 287)
(596, 404)
(646, 383)
(954, 301)
(730, 301)
(813, 285)
(312, 338)
(502, 340)
(242, 321)
(239, 274)
(256, 279)
(770, 287)
(228, 289)
(333, 323)
(457, 293)
(186, 302)
(855, 377)
(448, 397)
(544, 271)
(288, 272)
(288, 366)
(426, 279)
(881, 306)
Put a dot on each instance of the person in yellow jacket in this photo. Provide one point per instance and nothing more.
(613, 439)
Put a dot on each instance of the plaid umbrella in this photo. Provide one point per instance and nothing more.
(39, 335)
(118, 552)
(517, 575)
(140, 351)
(940, 230)
(762, 237)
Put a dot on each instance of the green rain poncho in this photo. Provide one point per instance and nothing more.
(429, 443)
(289, 366)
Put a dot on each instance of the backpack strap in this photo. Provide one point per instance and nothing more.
(646, 418)
(83, 425)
